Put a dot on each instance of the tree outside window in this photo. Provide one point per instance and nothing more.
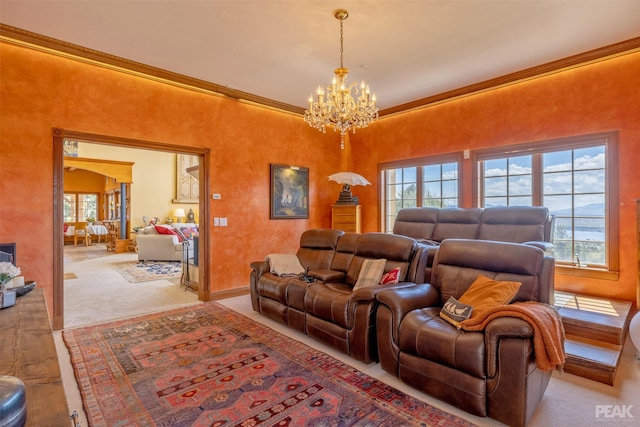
(77, 207)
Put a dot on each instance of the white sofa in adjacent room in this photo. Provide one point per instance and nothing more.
(162, 246)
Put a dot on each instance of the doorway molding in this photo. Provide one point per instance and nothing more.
(59, 135)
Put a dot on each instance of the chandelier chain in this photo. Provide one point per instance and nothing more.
(341, 45)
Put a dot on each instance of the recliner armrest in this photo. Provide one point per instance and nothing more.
(401, 301)
(328, 275)
(260, 267)
(545, 246)
(497, 329)
(371, 292)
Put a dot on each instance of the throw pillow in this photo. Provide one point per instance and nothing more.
(164, 230)
(181, 236)
(150, 229)
(455, 312)
(370, 273)
(391, 277)
(189, 232)
(485, 293)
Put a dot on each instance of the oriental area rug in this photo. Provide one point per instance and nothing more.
(210, 366)
(146, 271)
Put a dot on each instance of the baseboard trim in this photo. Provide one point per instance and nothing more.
(230, 293)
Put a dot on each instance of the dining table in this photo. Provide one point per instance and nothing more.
(93, 229)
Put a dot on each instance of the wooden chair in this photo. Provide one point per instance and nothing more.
(81, 231)
(112, 236)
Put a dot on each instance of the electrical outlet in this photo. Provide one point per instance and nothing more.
(216, 196)
(223, 222)
(216, 221)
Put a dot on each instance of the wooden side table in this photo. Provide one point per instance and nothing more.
(28, 352)
(121, 245)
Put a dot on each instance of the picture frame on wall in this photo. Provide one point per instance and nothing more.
(289, 192)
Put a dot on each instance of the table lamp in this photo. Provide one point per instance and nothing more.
(179, 213)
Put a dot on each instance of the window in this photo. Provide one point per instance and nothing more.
(420, 182)
(77, 207)
(570, 177)
(575, 191)
(508, 181)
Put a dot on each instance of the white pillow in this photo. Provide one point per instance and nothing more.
(150, 229)
(370, 273)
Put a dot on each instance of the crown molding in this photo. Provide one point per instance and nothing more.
(581, 59)
(58, 47)
(43, 43)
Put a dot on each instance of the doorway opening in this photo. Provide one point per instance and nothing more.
(59, 137)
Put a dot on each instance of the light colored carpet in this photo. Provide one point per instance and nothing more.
(100, 293)
(146, 271)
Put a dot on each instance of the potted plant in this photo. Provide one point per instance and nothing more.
(7, 273)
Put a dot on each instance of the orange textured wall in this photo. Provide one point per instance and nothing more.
(593, 98)
(39, 91)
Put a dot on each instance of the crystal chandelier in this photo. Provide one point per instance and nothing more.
(339, 107)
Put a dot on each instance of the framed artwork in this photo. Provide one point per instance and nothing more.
(187, 185)
(289, 192)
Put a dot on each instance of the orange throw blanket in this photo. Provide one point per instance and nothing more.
(548, 336)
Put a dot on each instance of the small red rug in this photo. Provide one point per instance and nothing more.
(210, 366)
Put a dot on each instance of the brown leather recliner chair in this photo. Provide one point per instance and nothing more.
(491, 373)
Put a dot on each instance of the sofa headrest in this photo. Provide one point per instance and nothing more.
(344, 252)
(518, 215)
(418, 215)
(320, 238)
(459, 262)
(383, 245)
(397, 250)
(416, 222)
(514, 223)
(460, 215)
(347, 242)
(458, 223)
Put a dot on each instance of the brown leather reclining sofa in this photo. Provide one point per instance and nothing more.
(329, 309)
(531, 225)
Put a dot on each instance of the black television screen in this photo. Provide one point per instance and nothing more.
(8, 252)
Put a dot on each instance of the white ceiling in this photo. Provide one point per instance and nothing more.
(282, 50)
